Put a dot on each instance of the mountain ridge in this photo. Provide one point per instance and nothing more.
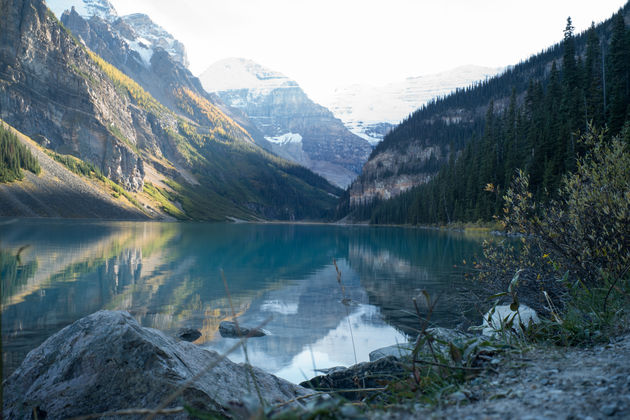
(79, 104)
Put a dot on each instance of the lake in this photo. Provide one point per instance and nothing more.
(170, 275)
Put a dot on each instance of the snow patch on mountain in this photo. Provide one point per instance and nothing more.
(156, 36)
(142, 47)
(363, 107)
(285, 138)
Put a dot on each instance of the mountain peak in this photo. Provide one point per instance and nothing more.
(293, 126)
(86, 8)
(241, 73)
(142, 34)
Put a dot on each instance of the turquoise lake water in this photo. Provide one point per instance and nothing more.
(169, 275)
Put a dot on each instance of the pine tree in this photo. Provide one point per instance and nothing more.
(594, 84)
(570, 73)
(619, 75)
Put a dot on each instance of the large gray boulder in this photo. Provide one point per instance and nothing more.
(107, 361)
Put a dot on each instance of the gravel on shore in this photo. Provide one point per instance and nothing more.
(543, 383)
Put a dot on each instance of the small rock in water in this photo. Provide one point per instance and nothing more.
(228, 329)
(188, 334)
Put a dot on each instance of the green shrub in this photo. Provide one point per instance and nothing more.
(573, 254)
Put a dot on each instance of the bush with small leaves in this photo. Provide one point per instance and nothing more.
(576, 249)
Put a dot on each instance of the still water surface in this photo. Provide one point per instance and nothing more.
(168, 276)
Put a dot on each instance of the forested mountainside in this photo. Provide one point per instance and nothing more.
(453, 159)
(199, 162)
(294, 127)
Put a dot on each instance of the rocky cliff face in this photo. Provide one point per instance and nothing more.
(158, 66)
(391, 172)
(413, 153)
(147, 32)
(57, 192)
(293, 126)
(53, 91)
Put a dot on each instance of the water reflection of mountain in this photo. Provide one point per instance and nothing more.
(395, 265)
(77, 271)
(166, 275)
(300, 312)
(308, 315)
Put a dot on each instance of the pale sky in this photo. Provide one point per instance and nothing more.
(323, 44)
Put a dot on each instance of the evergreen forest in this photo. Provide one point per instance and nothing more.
(535, 115)
(14, 157)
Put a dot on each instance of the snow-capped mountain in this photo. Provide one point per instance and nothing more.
(370, 111)
(141, 34)
(294, 127)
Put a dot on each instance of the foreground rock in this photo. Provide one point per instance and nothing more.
(107, 361)
(229, 329)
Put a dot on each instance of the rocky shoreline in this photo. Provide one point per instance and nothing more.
(107, 362)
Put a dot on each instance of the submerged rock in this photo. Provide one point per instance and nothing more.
(229, 329)
(188, 334)
(107, 361)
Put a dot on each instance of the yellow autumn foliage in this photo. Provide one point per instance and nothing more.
(122, 81)
(197, 106)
